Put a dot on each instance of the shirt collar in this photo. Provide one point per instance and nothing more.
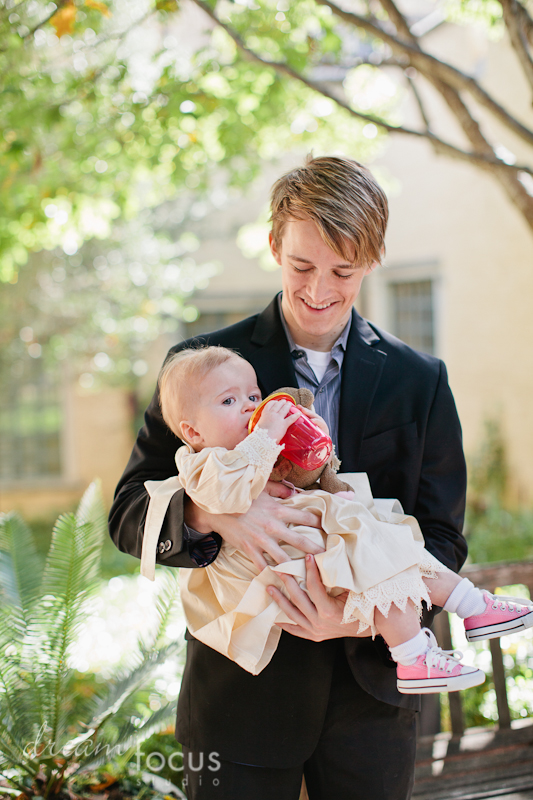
(341, 341)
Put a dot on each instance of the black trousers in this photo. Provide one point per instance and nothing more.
(366, 751)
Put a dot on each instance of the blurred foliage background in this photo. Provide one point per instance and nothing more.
(110, 110)
(106, 115)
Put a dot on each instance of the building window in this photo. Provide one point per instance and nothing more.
(30, 424)
(412, 315)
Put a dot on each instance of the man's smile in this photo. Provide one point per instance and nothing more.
(315, 305)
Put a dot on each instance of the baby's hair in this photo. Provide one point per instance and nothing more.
(179, 376)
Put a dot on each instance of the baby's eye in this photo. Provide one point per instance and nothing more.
(228, 401)
(255, 398)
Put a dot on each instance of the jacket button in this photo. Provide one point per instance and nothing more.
(168, 544)
(161, 547)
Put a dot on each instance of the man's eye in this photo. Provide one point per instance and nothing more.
(302, 270)
(344, 276)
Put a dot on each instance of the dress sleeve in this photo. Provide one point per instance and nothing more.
(226, 481)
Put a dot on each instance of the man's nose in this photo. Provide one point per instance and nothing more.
(317, 288)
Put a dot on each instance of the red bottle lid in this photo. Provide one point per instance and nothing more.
(305, 444)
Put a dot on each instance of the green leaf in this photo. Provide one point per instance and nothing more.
(20, 565)
(121, 690)
(166, 600)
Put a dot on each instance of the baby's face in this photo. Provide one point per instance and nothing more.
(226, 399)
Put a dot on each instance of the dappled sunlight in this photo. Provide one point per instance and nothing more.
(123, 611)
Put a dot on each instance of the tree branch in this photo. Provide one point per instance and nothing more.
(481, 159)
(526, 22)
(510, 182)
(428, 64)
(399, 21)
(419, 101)
(517, 37)
(402, 27)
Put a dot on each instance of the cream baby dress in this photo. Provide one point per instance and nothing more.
(372, 550)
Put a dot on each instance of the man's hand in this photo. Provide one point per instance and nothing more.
(258, 531)
(317, 616)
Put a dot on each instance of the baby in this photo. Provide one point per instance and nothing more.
(370, 548)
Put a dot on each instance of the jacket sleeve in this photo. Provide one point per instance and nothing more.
(440, 503)
(152, 458)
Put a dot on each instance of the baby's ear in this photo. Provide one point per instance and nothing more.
(188, 433)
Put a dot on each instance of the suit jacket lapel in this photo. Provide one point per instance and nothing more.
(271, 360)
(361, 371)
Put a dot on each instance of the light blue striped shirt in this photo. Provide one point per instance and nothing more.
(327, 392)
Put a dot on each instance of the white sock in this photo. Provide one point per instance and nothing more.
(466, 600)
(406, 653)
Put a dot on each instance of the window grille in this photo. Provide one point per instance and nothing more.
(30, 423)
(412, 314)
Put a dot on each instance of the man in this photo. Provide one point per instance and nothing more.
(326, 706)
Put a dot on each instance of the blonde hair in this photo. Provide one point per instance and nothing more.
(179, 376)
(344, 200)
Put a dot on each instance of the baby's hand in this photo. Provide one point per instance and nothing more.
(276, 418)
(319, 421)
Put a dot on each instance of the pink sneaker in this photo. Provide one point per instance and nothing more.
(437, 671)
(502, 615)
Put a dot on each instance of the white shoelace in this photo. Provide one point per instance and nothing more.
(509, 604)
(440, 659)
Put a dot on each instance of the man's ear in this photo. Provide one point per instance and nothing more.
(273, 249)
(189, 434)
(375, 264)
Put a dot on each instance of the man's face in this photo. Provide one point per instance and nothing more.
(319, 287)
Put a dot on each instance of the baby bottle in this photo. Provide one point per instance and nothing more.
(305, 444)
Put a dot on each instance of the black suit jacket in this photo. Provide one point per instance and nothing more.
(398, 423)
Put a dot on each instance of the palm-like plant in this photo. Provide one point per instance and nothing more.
(49, 730)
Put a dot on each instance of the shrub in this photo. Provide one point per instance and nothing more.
(56, 725)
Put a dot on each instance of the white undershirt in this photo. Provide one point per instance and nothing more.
(318, 361)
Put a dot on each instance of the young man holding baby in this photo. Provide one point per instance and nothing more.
(326, 706)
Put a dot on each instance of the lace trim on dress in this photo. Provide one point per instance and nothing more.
(408, 585)
(260, 450)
